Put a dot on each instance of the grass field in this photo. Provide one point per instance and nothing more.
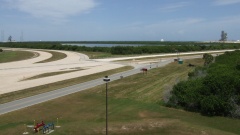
(49, 74)
(55, 56)
(134, 109)
(97, 55)
(102, 55)
(10, 56)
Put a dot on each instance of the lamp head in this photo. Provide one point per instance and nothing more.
(106, 79)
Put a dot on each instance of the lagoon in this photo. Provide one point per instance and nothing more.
(103, 45)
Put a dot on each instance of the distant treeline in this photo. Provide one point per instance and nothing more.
(54, 46)
(147, 47)
(212, 90)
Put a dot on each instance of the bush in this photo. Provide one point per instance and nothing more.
(216, 94)
(208, 59)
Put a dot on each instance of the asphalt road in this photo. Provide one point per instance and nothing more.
(29, 101)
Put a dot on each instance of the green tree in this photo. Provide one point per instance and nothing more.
(208, 59)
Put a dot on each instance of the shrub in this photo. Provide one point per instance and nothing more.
(218, 93)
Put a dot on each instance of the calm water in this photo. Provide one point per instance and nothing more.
(103, 45)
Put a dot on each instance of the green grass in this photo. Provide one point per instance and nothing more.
(49, 74)
(55, 56)
(158, 58)
(10, 56)
(152, 86)
(84, 112)
(102, 55)
(97, 55)
(53, 86)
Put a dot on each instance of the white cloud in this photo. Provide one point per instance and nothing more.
(226, 2)
(53, 9)
(192, 20)
(173, 6)
(166, 29)
(177, 23)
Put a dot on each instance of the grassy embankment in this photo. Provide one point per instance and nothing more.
(133, 109)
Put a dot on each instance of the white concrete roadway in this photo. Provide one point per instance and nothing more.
(12, 74)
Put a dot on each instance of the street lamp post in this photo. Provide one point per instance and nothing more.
(106, 79)
(177, 53)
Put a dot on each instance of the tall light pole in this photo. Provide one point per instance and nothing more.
(106, 79)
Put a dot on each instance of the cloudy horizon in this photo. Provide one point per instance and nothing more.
(119, 20)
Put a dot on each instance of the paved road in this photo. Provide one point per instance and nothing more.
(29, 101)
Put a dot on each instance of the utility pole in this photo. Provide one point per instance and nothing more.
(106, 79)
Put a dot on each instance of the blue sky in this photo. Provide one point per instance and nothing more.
(119, 20)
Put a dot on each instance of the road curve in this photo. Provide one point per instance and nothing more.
(15, 75)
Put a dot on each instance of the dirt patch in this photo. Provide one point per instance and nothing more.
(141, 126)
(147, 114)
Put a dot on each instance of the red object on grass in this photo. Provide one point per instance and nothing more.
(38, 126)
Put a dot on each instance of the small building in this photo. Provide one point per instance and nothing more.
(180, 61)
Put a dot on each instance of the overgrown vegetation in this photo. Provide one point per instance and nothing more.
(208, 59)
(144, 48)
(213, 90)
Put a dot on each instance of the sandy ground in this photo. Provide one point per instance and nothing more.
(12, 74)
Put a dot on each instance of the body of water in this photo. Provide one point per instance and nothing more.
(103, 45)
